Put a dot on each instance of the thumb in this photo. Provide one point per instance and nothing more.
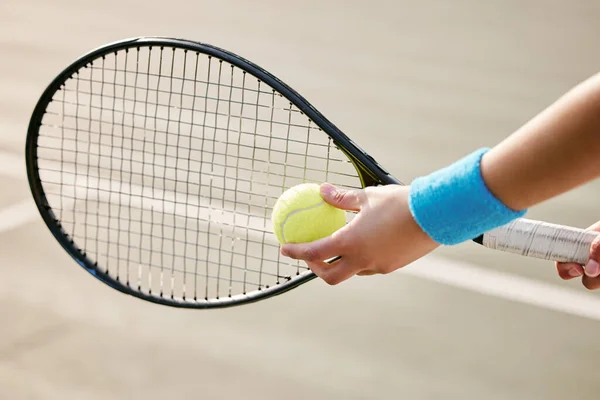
(341, 198)
(594, 227)
(572, 270)
(592, 267)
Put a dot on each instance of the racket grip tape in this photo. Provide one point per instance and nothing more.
(541, 240)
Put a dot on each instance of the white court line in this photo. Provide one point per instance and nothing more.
(453, 273)
(506, 286)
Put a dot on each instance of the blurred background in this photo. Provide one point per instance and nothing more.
(417, 84)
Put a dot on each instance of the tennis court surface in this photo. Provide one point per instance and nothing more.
(417, 86)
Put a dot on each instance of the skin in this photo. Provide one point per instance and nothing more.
(553, 153)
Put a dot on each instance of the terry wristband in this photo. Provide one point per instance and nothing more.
(454, 205)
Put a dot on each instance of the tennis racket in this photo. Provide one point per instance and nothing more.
(156, 162)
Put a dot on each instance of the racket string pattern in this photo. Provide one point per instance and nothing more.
(162, 166)
(155, 163)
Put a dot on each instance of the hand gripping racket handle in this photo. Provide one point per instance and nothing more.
(541, 240)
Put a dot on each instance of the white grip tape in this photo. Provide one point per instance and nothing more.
(542, 240)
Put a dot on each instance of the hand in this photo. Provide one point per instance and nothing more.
(591, 272)
(380, 239)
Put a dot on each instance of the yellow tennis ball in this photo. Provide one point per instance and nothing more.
(301, 215)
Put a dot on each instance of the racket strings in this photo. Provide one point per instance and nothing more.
(166, 134)
(172, 159)
(163, 166)
(183, 79)
(183, 108)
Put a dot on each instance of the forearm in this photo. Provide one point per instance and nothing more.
(553, 153)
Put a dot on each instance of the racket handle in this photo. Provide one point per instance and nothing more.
(541, 240)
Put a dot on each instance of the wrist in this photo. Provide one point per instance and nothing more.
(454, 204)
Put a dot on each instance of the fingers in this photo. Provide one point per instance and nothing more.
(592, 267)
(314, 254)
(334, 273)
(341, 198)
(591, 271)
(591, 283)
(366, 272)
(319, 250)
(569, 270)
(594, 227)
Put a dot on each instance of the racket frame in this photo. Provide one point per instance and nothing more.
(369, 171)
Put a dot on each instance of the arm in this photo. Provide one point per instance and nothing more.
(523, 170)
(553, 153)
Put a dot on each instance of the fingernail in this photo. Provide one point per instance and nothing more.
(327, 188)
(592, 269)
(574, 272)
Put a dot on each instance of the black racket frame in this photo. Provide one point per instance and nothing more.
(369, 171)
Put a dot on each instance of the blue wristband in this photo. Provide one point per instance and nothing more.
(454, 204)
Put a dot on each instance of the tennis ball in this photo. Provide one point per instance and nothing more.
(301, 215)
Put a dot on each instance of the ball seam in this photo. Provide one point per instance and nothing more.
(295, 212)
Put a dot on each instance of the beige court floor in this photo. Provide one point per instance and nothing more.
(417, 84)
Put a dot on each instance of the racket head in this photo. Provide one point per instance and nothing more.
(72, 137)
